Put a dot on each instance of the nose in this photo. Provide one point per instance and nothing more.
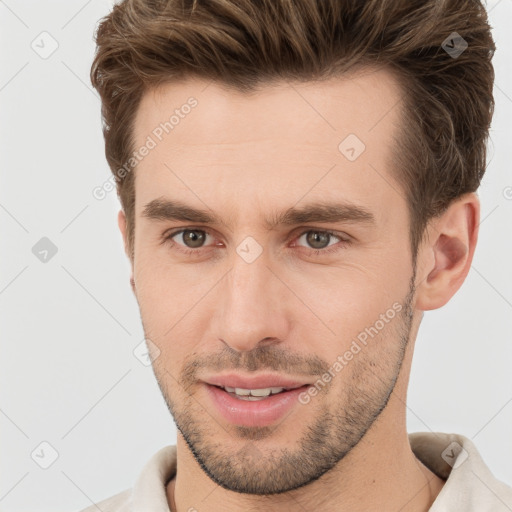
(253, 307)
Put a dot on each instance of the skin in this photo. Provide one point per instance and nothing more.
(244, 157)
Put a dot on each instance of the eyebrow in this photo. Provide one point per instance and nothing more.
(322, 212)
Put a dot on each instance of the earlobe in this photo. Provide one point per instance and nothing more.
(448, 253)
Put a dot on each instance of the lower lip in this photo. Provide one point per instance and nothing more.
(258, 413)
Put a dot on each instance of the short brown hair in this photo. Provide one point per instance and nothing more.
(440, 152)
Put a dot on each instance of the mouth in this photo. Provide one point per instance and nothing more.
(254, 395)
(253, 402)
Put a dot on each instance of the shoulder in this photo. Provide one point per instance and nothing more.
(469, 484)
(149, 490)
(121, 502)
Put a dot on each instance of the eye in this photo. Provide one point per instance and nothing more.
(192, 238)
(320, 241)
(188, 240)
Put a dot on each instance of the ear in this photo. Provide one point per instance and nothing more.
(444, 259)
(121, 222)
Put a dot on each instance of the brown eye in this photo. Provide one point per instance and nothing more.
(318, 239)
(320, 242)
(188, 238)
(193, 238)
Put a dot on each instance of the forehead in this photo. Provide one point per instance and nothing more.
(331, 138)
(355, 102)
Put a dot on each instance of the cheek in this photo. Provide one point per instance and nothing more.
(166, 290)
(348, 299)
(171, 307)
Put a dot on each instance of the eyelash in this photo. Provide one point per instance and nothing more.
(168, 239)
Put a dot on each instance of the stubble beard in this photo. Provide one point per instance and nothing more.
(335, 431)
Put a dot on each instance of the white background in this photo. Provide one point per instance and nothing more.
(69, 326)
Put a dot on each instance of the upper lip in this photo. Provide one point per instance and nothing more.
(260, 381)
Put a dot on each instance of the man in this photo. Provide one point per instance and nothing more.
(297, 181)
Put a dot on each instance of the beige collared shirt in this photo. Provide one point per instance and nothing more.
(469, 487)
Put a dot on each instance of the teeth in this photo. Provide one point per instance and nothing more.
(256, 393)
(259, 392)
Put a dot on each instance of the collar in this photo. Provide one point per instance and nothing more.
(469, 486)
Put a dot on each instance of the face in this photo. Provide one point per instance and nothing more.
(272, 256)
